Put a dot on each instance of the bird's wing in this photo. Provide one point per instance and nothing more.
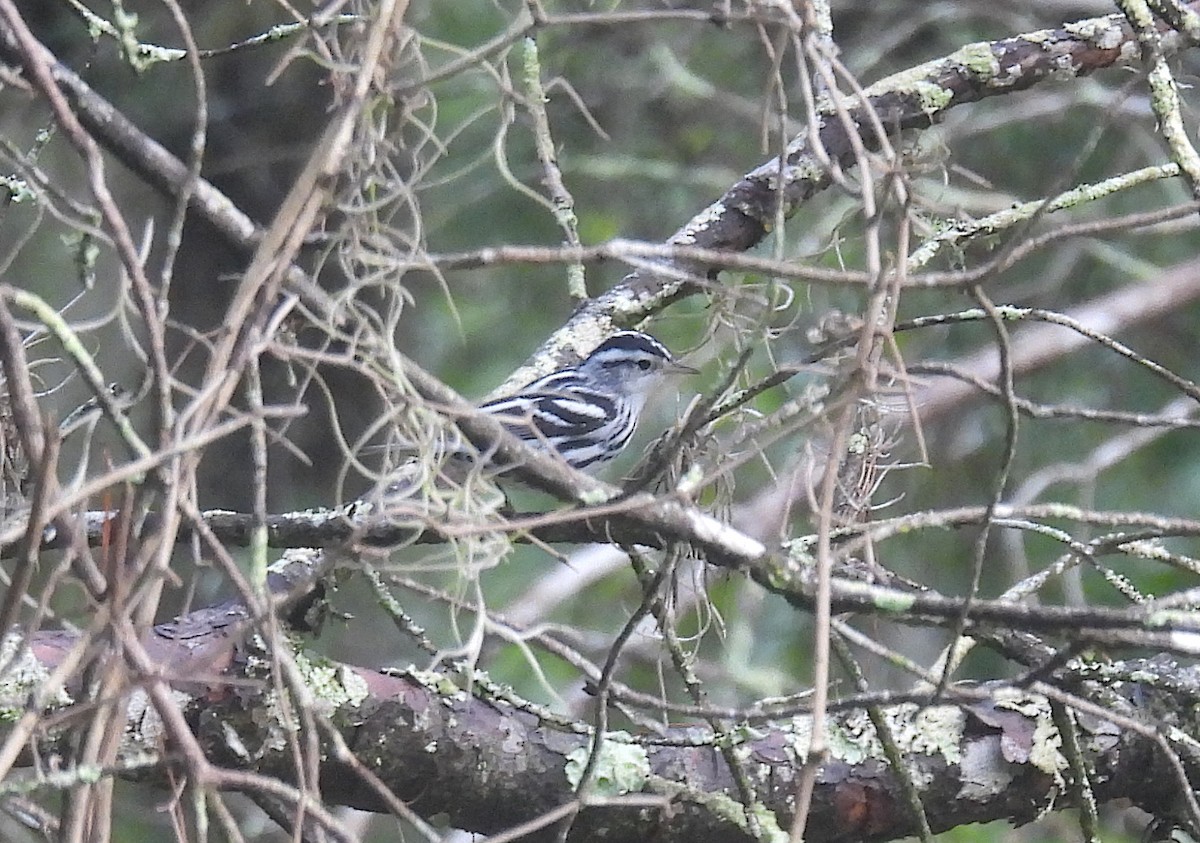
(556, 407)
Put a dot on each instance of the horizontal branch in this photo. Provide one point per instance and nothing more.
(992, 754)
(653, 522)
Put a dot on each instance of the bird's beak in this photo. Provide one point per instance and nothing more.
(677, 368)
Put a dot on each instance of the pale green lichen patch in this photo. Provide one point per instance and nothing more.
(273, 726)
(1130, 51)
(1171, 617)
(852, 741)
(904, 80)
(327, 688)
(1063, 67)
(800, 557)
(1148, 549)
(699, 223)
(24, 677)
(768, 824)
(1104, 33)
(595, 496)
(1046, 754)
(622, 768)
(438, 683)
(978, 58)
(894, 601)
(18, 189)
(234, 742)
(858, 443)
(1015, 700)
(151, 54)
(1012, 314)
(1045, 746)
(1040, 36)
(917, 81)
(801, 736)
(806, 170)
(304, 557)
(143, 723)
(936, 730)
(932, 97)
(933, 731)
(722, 807)
(332, 685)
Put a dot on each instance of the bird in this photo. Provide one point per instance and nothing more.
(586, 413)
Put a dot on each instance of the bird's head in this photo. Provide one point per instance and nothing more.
(632, 362)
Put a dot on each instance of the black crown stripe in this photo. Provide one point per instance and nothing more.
(633, 341)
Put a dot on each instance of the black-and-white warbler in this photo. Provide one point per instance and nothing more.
(588, 412)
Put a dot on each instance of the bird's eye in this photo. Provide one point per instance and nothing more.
(644, 365)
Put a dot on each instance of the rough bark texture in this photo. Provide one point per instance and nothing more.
(486, 766)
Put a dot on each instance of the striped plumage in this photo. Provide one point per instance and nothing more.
(587, 413)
